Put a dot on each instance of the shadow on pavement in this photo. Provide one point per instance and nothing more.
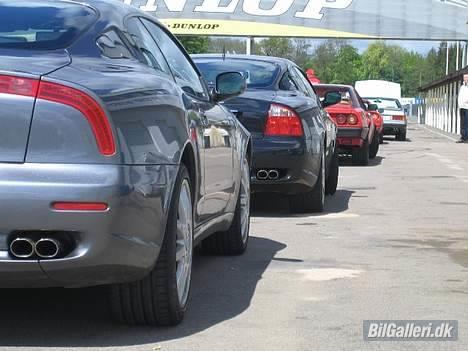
(223, 288)
(276, 205)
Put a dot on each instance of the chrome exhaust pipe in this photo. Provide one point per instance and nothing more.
(22, 248)
(273, 174)
(48, 248)
(262, 175)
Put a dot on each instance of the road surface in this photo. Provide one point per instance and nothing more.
(393, 244)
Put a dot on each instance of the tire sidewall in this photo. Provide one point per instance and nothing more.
(171, 237)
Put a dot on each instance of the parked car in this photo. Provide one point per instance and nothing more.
(294, 140)
(105, 174)
(357, 133)
(387, 97)
(377, 117)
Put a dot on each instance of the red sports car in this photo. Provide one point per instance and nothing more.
(358, 133)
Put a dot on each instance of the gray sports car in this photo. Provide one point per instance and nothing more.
(115, 158)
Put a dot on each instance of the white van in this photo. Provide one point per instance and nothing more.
(387, 96)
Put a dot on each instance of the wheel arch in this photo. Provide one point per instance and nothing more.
(189, 160)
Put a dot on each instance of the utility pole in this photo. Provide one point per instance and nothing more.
(250, 45)
(448, 60)
(463, 63)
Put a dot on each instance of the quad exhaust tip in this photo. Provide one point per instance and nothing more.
(264, 174)
(45, 248)
(48, 248)
(23, 248)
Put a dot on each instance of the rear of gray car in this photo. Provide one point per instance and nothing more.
(72, 195)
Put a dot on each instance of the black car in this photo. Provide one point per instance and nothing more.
(115, 158)
(294, 139)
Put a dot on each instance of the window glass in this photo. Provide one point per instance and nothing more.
(112, 46)
(42, 25)
(305, 82)
(298, 81)
(184, 73)
(386, 104)
(348, 97)
(258, 74)
(287, 84)
(147, 50)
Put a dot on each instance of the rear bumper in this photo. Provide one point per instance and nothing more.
(118, 245)
(296, 160)
(350, 138)
(394, 127)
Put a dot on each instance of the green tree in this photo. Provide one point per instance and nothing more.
(278, 47)
(228, 45)
(195, 44)
(336, 62)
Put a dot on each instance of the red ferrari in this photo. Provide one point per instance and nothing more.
(358, 123)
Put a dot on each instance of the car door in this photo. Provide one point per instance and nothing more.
(213, 124)
(219, 160)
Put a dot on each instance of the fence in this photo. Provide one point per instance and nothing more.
(440, 107)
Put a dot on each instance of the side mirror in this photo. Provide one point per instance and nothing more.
(372, 107)
(331, 98)
(381, 110)
(228, 85)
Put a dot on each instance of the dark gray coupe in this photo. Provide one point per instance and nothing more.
(115, 158)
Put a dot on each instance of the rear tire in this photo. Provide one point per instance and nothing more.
(401, 136)
(361, 155)
(312, 201)
(235, 240)
(375, 146)
(161, 299)
(333, 174)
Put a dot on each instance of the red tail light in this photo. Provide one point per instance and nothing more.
(283, 121)
(65, 95)
(93, 112)
(350, 119)
(399, 118)
(341, 119)
(80, 206)
(18, 86)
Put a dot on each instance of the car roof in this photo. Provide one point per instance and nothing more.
(341, 86)
(271, 59)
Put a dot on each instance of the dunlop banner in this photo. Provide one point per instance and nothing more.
(384, 19)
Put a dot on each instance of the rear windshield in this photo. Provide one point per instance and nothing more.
(42, 25)
(348, 97)
(259, 74)
(386, 104)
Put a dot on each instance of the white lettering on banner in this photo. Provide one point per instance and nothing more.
(252, 7)
(172, 5)
(314, 8)
(214, 6)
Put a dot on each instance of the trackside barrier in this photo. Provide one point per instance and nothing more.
(440, 103)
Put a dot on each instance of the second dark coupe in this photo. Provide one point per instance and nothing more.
(294, 139)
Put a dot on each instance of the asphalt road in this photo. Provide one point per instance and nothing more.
(392, 245)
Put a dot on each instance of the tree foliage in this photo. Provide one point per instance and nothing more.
(195, 44)
(338, 62)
